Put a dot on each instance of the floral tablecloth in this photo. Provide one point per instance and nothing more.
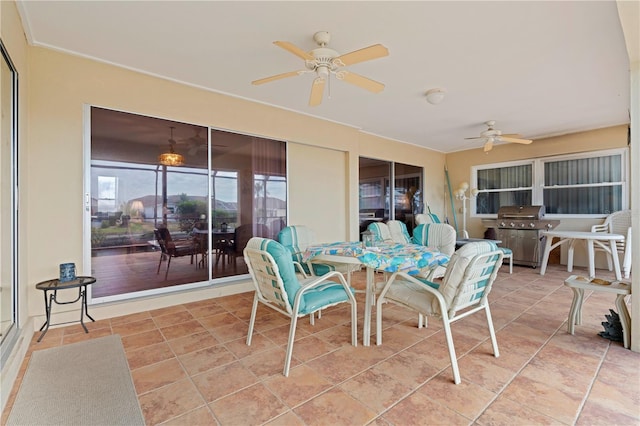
(387, 257)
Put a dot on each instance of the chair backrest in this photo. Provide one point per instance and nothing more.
(424, 218)
(470, 275)
(272, 272)
(398, 231)
(163, 237)
(244, 233)
(441, 236)
(393, 231)
(380, 231)
(296, 239)
(616, 223)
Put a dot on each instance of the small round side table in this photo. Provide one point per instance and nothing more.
(51, 287)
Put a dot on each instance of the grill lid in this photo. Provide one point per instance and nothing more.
(521, 212)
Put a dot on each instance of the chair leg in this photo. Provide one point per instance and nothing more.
(252, 321)
(511, 264)
(159, 263)
(452, 349)
(166, 274)
(292, 336)
(492, 331)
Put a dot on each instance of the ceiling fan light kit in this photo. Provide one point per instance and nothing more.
(324, 62)
(171, 158)
(492, 135)
(435, 96)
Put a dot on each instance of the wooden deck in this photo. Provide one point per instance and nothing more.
(137, 271)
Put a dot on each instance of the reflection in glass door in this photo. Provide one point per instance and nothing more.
(173, 206)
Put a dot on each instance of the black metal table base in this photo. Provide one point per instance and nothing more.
(50, 297)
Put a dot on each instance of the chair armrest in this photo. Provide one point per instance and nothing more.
(300, 269)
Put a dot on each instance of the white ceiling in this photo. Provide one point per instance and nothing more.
(538, 68)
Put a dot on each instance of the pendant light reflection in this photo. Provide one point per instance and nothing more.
(171, 158)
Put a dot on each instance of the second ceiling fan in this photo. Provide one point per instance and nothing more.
(492, 135)
(325, 61)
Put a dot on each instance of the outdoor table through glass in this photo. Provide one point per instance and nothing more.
(386, 257)
(53, 286)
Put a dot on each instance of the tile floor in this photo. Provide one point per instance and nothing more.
(191, 366)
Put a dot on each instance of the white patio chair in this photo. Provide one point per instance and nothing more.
(464, 290)
(617, 223)
(278, 287)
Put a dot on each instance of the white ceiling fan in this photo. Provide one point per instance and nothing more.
(492, 135)
(325, 61)
(197, 143)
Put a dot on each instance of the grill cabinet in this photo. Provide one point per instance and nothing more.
(520, 228)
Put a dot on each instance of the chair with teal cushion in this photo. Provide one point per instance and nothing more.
(507, 253)
(391, 231)
(463, 291)
(278, 287)
(296, 239)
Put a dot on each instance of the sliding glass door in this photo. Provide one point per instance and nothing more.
(379, 179)
(173, 204)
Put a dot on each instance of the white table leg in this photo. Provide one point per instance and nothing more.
(591, 254)
(616, 259)
(545, 256)
(572, 246)
(370, 288)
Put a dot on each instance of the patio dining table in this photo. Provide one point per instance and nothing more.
(414, 259)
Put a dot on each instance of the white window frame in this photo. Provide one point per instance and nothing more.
(537, 196)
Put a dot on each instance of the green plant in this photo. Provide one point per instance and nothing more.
(188, 212)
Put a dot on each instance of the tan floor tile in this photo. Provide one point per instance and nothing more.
(227, 333)
(206, 359)
(250, 406)
(280, 335)
(201, 311)
(287, 419)
(169, 402)
(302, 384)
(167, 311)
(268, 363)
(149, 355)
(561, 405)
(466, 398)
(419, 409)
(504, 412)
(137, 341)
(621, 395)
(182, 329)
(376, 389)
(81, 337)
(218, 320)
(128, 328)
(157, 375)
(605, 414)
(259, 343)
(219, 382)
(193, 342)
(130, 318)
(200, 416)
(475, 368)
(172, 319)
(334, 407)
(407, 368)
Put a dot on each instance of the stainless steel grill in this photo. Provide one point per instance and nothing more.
(520, 228)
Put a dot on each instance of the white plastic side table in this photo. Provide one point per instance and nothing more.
(620, 289)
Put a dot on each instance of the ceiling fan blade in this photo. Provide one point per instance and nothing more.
(515, 140)
(477, 137)
(317, 89)
(360, 81)
(294, 49)
(512, 135)
(488, 146)
(276, 77)
(366, 54)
